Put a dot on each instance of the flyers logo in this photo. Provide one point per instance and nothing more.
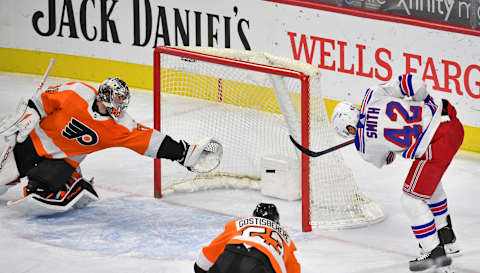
(79, 131)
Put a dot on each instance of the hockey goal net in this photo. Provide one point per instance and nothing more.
(252, 102)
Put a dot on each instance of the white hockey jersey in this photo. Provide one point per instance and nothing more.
(396, 117)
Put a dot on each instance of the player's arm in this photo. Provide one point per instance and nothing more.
(203, 156)
(379, 158)
(22, 121)
(292, 264)
(406, 86)
(36, 108)
(210, 253)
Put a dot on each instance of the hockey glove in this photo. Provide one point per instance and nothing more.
(21, 122)
(204, 156)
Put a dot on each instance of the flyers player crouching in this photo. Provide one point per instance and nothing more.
(256, 244)
(51, 133)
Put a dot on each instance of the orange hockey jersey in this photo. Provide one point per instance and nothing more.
(263, 234)
(69, 128)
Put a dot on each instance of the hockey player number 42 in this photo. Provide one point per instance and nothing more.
(269, 237)
(405, 136)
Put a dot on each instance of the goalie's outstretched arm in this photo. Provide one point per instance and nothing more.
(201, 157)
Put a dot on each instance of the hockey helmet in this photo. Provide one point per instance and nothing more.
(115, 95)
(345, 114)
(268, 211)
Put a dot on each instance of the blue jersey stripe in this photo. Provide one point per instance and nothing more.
(438, 204)
(410, 86)
(424, 226)
(420, 236)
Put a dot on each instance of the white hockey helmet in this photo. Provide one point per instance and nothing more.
(115, 95)
(345, 114)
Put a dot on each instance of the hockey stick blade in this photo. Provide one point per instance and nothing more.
(316, 154)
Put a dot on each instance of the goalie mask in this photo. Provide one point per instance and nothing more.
(115, 95)
(345, 114)
(268, 211)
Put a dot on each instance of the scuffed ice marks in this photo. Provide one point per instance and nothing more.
(133, 226)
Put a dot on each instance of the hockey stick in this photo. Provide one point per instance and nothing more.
(12, 120)
(47, 72)
(12, 140)
(316, 154)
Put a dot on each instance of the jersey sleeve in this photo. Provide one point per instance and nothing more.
(137, 137)
(405, 86)
(50, 100)
(377, 156)
(210, 253)
(292, 264)
(56, 98)
(143, 140)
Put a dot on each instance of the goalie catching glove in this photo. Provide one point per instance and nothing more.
(22, 122)
(204, 156)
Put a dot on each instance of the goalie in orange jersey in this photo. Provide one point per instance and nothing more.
(53, 131)
(256, 244)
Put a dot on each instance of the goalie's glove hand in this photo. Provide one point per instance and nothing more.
(21, 122)
(204, 156)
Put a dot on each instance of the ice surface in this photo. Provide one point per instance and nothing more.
(129, 231)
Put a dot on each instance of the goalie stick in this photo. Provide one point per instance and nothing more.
(316, 154)
(11, 141)
(45, 75)
(19, 115)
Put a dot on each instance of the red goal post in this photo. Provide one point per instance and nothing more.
(298, 118)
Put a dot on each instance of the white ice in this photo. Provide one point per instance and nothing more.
(130, 231)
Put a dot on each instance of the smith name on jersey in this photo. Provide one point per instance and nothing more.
(70, 129)
(396, 117)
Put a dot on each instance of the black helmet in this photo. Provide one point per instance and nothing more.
(268, 211)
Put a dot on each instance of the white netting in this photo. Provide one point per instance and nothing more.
(241, 109)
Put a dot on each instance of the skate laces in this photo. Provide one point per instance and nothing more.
(424, 256)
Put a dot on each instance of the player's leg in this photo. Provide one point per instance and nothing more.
(451, 137)
(423, 227)
(50, 191)
(422, 182)
(439, 206)
(18, 158)
(25, 156)
(9, 175)
(48, 178)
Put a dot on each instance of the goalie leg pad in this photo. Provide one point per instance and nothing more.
(8, 167)
(79, 195)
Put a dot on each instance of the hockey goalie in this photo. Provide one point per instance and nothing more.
(49, 135)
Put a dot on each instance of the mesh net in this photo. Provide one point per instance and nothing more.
(240, 107)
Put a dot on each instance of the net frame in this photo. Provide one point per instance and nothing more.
(278, 71)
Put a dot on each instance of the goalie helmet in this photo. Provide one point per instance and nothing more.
(115, 95)
(268, 211)
(345, 114)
